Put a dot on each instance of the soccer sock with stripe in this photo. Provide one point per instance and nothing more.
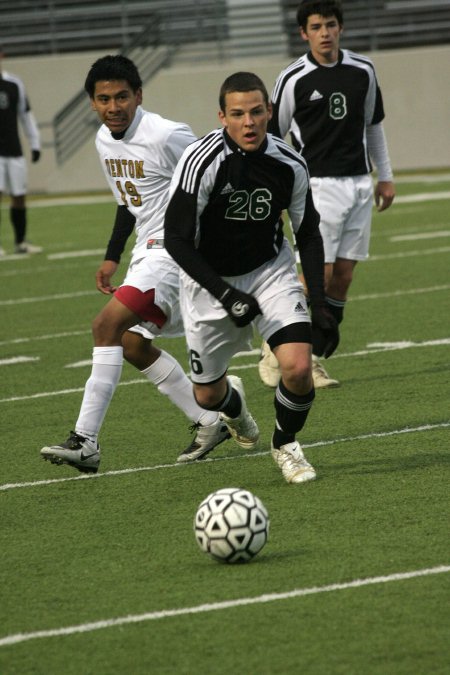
(231, 404)
(291, 413)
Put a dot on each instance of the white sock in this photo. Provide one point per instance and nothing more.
(99, 389)
(171, 380)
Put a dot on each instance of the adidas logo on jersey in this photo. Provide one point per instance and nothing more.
(315, 96)
(298, 307)
(227, 189)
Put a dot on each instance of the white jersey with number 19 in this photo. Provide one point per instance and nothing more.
(139, 167)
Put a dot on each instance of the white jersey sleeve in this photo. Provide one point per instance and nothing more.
(139, 168)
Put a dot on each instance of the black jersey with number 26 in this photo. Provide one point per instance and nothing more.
(229, 202)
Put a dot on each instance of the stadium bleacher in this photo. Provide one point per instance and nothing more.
(35, 27)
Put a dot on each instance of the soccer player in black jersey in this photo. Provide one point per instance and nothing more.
(330, 103)
(223, 226)
(15, 107)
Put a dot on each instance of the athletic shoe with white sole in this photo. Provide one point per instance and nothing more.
(320, 376)
(293, 464)
(26, 247)
(269, 370)
(206, 439)
(243, 428)
(77, 451)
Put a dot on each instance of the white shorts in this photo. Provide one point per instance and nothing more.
(153, 280)
(345, 208)
(13, 176)
(212, 337)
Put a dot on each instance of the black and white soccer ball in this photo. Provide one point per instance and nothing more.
(232, 525)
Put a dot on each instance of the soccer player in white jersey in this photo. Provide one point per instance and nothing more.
(330, 103)
(15, 108)
(138, 151)
(223, 226)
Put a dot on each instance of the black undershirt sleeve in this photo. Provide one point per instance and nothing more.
(123, 227)
(179, 239)
(310, 246)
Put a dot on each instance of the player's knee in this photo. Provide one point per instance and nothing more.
(105, 331)
(297, 377)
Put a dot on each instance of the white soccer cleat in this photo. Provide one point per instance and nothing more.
(269, 369)
(243, 429)
(26, 247)
(206, 439)
(320, 376)
(293, 464)
(77, 451)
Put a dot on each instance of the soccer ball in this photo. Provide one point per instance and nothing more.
(232, 525)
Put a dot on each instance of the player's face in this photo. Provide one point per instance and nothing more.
(115, 103)
(323, 34)
(246, 117)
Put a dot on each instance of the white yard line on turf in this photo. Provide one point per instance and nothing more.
(45, 298)
(78, 294)
(75, 254)
(407, 254)
(53, 336)
(373, 348)
(250, 455)
(395, 294)
(18, 359)
(420, 235)
(218, 606)
(73, 200)
(421, 197)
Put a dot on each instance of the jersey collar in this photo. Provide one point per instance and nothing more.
(311, 58)
(234, 147)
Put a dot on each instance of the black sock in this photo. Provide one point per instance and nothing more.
(291, 413)
(280, 438)
(233, 406)
(19, 222)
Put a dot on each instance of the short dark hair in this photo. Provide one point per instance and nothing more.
(112, 67)
(323, 7)
(242, 81)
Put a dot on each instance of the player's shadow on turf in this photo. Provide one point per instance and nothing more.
(398, 376)
(385, 465)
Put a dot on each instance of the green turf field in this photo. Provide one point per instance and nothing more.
(102, 575)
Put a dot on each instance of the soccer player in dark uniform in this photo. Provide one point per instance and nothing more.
(223, 226)
(14, 106)
(330, 103)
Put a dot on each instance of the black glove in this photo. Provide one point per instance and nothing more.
(241, 307)
(35, 155)
(325, 331)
